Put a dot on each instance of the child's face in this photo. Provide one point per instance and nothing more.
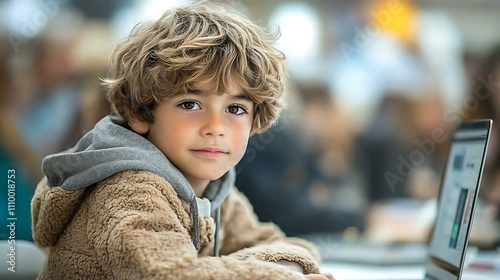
(201, 133)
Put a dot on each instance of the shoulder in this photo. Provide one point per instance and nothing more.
(235, 202)
(133, 182)
(234, 197)
(135, 176)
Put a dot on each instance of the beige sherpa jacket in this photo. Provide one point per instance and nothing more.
(133, 225)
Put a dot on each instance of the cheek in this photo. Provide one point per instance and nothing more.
(171, 136)
(240, 141)
(243, 144)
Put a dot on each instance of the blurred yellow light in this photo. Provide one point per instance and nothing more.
(395, 17)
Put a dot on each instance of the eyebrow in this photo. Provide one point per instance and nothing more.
(237, 96)
(241, 96)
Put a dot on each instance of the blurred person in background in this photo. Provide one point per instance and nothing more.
(49, 122)
(283, 178)
(46, 105)
(378, 75)
(485, 93)
(331, 140)
(15, 157)
(59, 106)
(401, 173)
(388, 147)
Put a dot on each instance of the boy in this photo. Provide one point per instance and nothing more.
(134, 198)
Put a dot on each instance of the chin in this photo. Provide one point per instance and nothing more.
(211, 176)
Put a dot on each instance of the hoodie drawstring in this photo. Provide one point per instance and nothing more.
(217, 238)
(196, 225)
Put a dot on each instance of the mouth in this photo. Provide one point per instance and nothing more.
(210, 152)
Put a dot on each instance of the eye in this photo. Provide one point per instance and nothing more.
(189, 105)
(236, 109)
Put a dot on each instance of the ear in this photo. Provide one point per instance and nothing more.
(137, 125)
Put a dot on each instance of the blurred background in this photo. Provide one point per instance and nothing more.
(369, 83)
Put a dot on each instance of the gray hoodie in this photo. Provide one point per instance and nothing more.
(111, 147)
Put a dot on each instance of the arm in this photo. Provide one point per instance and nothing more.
(244, 237)
(137, 234)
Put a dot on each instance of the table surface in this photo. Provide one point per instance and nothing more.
(343, 271)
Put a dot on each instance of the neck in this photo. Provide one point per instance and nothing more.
(198, 185)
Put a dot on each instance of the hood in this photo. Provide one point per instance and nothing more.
(109, 148)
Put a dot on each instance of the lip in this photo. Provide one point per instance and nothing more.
(209, 152)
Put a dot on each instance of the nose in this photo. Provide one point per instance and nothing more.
(213, 125)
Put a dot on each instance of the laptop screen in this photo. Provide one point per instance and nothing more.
(459, 187)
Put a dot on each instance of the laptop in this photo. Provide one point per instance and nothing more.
(444, 255)
(457, 200)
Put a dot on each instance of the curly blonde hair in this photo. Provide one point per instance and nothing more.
(197, 43)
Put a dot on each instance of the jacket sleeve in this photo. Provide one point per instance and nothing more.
(244, 237)
(137, 234)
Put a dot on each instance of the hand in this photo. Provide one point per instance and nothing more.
(322, 276)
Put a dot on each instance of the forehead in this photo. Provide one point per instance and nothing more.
(230, 87)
